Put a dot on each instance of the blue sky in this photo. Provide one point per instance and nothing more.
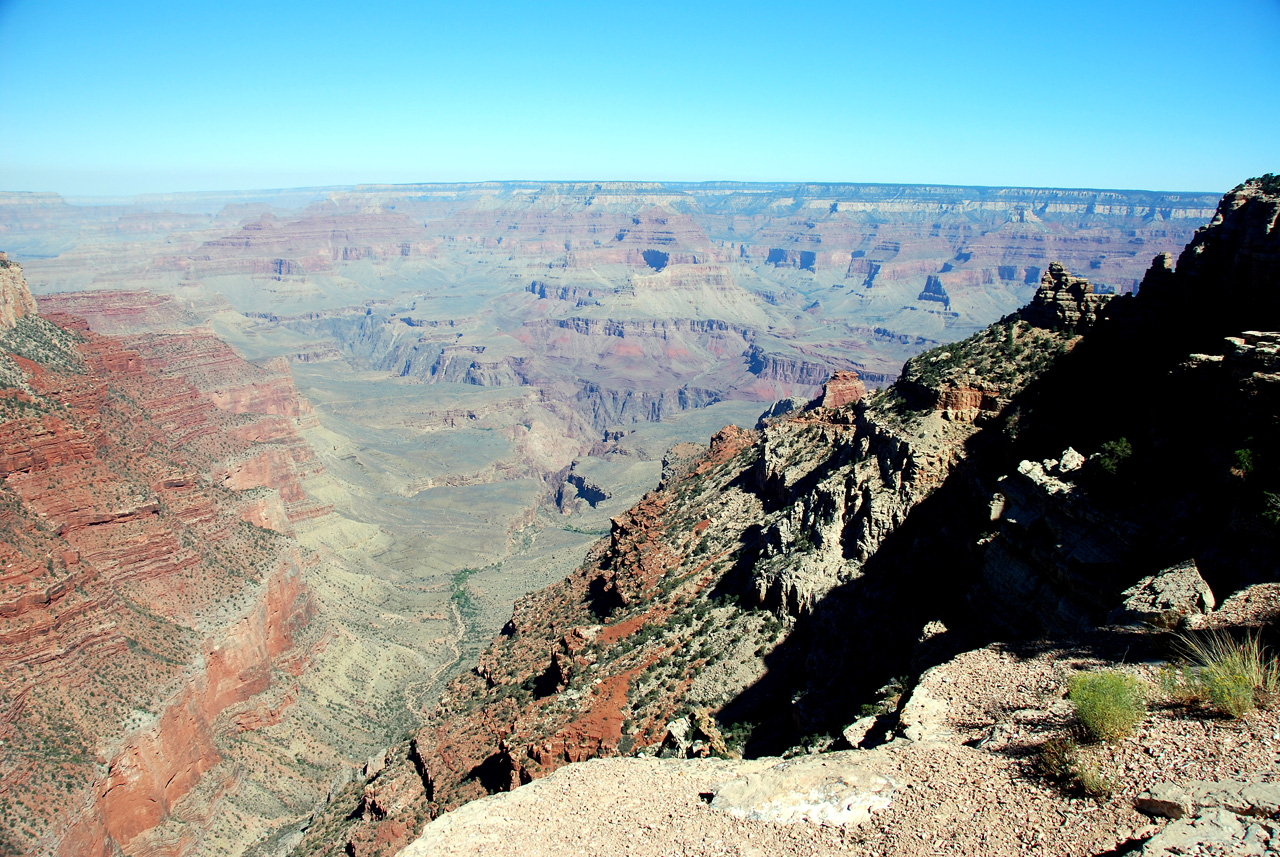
(129, 97)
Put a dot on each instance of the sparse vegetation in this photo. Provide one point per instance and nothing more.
(1108, 703)
(1113, 455)
(1062, 761)
(45, 343)
(1268, 182)
(461, 594)
(1228, 675)
(1057, 757)
(1002, 354)
(1092, 780)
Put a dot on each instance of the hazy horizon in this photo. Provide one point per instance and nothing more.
(319, 190)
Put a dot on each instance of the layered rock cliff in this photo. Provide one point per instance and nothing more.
(140, 599)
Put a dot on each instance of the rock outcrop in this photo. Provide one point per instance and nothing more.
(1064, 301)
(1222, 817)
(15, 298)
(842, 388)
(1174, 597)
(838, 789)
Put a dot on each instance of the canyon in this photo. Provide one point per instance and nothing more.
(277, 465)
(834, 577)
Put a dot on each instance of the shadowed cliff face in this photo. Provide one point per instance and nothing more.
(780, 579)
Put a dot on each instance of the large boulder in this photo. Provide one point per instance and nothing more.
(1175, 597)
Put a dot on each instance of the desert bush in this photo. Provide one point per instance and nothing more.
(1114, 454)
(1229, 675)
(1057, 758)
(1108, 703)
(1061, 761)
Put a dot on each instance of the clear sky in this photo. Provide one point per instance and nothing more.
(126, 97)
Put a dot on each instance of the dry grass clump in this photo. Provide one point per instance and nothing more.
(1057, 757)
(1108, 703)
(1062, 761)
(1228, 675)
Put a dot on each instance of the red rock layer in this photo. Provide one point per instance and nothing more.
(842, 389)
(158, 766)
(122, 538)
(118, 311)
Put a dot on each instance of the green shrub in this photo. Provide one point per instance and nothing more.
(1229, 675)
(1114, 454)
(1108, 703)
(1271, 510)
(1268, 182)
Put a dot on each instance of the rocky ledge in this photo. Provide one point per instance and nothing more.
(960, 775)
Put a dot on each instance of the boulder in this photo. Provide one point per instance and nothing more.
(857, 731)
(1173, 597)
(1070, 461)
(832, 788)
(1164, 800)
(924, 717)
(679, 739)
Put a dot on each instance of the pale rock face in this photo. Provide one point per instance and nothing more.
(1071, 461)
(924, 717)
(780, 408)
(15, 298)
(679, 738)
(856, 732)
(1167, 599)
(1224, 817)
(832, 788)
